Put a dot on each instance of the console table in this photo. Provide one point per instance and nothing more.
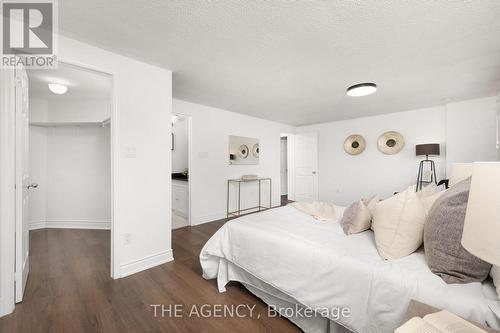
(238, 182)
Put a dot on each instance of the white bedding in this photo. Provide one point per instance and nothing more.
(317, 265)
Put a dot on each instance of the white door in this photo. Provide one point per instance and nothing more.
(284, 167)
(306, 167)
(22, 182)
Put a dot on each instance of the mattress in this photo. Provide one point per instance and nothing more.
(317, 266)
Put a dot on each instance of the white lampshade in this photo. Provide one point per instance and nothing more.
(481, 235)
(459, 172)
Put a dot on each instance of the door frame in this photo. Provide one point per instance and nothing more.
(290, 161)
(22, 133)
(189, 119)
(7, 192)
(114, 156)
(8, 181)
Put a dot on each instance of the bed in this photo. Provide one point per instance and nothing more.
(290, 260)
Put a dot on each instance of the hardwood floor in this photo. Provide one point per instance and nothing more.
(69, 289)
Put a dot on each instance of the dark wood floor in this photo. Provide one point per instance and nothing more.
(69, 289)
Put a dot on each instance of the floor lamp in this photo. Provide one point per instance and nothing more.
(426, 150)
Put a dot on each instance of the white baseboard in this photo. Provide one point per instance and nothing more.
(70, 224)
(139, 265)
(34, 225)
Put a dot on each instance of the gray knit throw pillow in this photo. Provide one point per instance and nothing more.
(443, 229)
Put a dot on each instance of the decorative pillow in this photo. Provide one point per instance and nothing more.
(322, 211)
(495, 275)
(398, 224)
(444, 252)
(371, 204)
(429, 198)
(357, 218)
(428, 190)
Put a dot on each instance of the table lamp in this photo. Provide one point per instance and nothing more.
(426, 150)
(482, 219)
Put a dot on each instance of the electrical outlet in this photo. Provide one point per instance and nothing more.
(127, 239)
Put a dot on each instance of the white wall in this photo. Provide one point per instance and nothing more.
(345, 178)
(72, 168)
(471, 131)
(210, 169)
(78, 110)
(39, 109)
(65, 110)
(142, 172)
(180, 152)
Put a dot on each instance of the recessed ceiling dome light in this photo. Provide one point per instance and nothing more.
(57, 88)
(361, 89)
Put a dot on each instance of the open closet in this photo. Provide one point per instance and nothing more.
(69, 153)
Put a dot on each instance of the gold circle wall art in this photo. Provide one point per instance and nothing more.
(355, 144)
(391, 143)
(255, 150)
(243, 151)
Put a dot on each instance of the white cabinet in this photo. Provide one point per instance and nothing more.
(180, 197)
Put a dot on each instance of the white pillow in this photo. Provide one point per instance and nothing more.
(495, 275)
(322, 211)
(398, 223)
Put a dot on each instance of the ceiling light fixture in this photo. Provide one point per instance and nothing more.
(57, 88)
(361, 89)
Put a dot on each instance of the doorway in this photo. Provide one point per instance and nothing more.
(284, 170)
(69, 171)
(181, 136)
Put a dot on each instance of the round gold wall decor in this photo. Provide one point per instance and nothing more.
(243, 151)
(391, 143)
(255, 150)
(354, 144)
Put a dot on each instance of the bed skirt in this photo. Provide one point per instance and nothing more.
(277, 300)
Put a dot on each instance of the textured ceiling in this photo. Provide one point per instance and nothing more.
(291, 61)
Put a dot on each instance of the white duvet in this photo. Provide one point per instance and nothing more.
(317, 265)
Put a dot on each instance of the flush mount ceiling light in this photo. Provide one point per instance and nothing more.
(57, 88)
(361, 89)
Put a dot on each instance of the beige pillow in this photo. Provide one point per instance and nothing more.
(398, 224)
(495, 275)
(322, 211)
(357, 218)
(428, 199)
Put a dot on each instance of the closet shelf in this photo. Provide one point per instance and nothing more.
(103, 123)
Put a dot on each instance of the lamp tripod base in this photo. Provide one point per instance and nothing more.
(420, 177)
